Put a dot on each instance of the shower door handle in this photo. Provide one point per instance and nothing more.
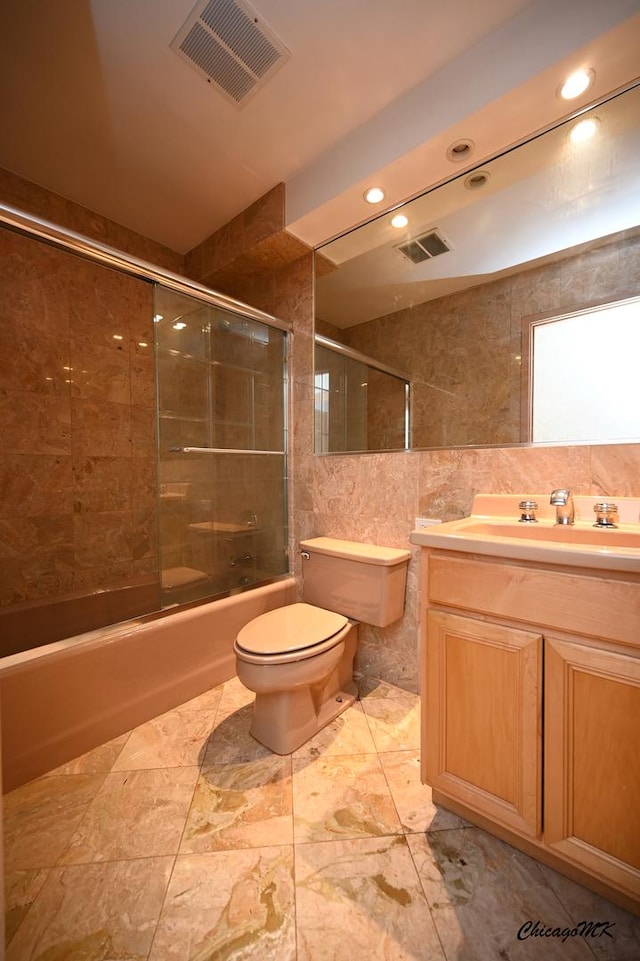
(222, 450)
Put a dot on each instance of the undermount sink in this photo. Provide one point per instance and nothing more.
(493, 528)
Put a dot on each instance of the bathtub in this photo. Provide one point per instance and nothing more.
(36, 623)
(60, 700)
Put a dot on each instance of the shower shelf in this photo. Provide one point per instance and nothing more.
(222, 527)
(190, 420)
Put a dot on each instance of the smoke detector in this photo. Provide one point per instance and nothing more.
(231, 47)
(425, 247)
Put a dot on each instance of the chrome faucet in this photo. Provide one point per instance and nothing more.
(563, 503)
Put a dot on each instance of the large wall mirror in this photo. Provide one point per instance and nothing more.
(507, 299)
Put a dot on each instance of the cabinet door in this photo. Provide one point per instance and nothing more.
(592, 760)
(482, 735)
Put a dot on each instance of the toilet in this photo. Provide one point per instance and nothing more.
(298, 659)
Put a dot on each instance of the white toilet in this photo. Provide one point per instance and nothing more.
(299, 659)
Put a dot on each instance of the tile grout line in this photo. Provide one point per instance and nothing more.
(186, 821)
(428, 903)
(408, 846)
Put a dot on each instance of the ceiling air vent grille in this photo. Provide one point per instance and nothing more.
(430, 245)
(230, 47)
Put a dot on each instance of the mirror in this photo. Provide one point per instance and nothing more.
(546, 231)
(360, 404)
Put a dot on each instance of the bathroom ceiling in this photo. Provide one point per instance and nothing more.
(97, 107)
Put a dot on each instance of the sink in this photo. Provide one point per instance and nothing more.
(579, 534)
(493, 528)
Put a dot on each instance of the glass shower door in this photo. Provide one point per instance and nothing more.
(222, 444)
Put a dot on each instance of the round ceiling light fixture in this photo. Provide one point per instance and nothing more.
(584, 130)
(374, 195)
(460, 150)
(399, 221)
(576, 83)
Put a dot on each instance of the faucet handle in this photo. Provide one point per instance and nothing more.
(606, 514)
(528, 512)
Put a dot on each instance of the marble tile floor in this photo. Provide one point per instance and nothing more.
(186, 840)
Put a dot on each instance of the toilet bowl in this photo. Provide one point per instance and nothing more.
(298, 659)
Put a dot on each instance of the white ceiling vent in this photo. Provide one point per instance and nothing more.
(231, 47)
(426, 247)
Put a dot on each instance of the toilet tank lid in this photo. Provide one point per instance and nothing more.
(355, 551)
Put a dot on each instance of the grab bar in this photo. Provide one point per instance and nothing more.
(221, 450)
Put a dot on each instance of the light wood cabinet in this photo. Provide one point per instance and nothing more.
(592, 759)
(483, 714)
(502, 639)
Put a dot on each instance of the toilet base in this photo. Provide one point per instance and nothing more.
(284, 721)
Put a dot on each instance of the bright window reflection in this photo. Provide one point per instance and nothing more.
(322, 412)
(585, 376)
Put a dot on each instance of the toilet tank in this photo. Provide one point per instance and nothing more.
(362, 581)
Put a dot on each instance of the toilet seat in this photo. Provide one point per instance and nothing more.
(289, 633)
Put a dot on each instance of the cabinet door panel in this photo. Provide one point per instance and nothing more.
(483, 718)
(592, 759)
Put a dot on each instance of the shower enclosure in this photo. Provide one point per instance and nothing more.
(222, 442)
(143, 453)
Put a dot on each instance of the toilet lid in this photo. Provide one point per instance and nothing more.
(291, 628)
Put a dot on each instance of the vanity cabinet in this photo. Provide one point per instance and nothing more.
(483, 717)
(531, 720)
(592, 759)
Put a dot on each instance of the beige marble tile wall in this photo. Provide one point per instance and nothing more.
(78, 468)
(466, 375)
(463, 374)
(78, 441)
(377, 496)
(385, 417)
(35, 200)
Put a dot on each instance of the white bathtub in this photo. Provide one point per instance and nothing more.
(63, 699)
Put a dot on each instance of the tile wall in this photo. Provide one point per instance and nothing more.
(77, 509)
(466, 373)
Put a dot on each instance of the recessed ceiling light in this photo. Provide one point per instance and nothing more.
(584, 129)
(576, 83)
(179, 325)
(399, 221)
(477, 180)
(374, 195)
(460, 150)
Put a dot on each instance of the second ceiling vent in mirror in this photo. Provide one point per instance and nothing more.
(429, 245)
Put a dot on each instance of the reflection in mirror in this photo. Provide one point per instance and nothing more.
(604, 407)
(548, 229)
(345, 417)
